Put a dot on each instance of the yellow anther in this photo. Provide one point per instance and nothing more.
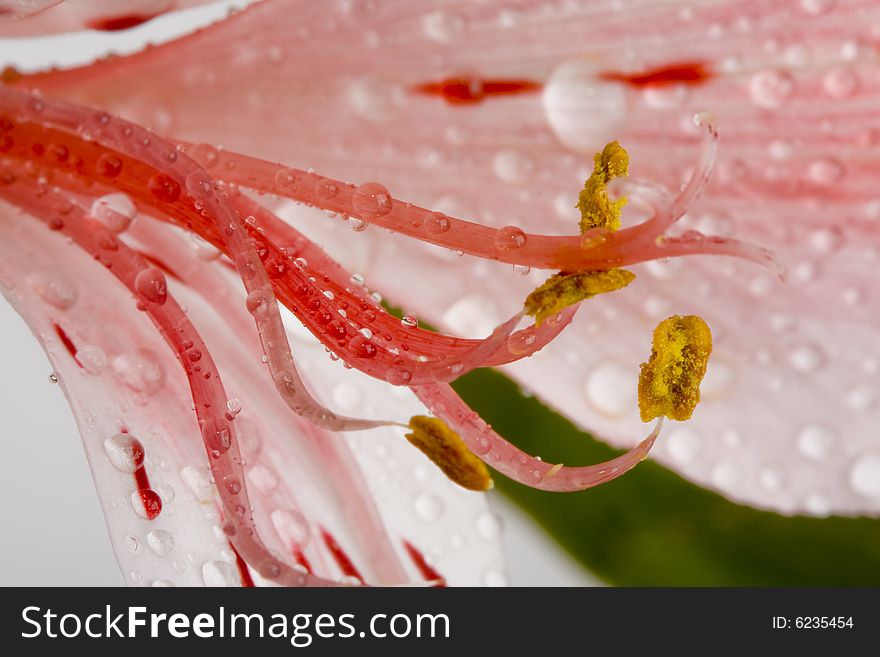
(597, 210)
(448, 452)
(563, 290)
(669, 383)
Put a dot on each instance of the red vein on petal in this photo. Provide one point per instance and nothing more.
(427, 571)
(471, 91)
(689, 73)
(67, 342)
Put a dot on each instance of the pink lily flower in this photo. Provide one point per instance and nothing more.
(482, 121)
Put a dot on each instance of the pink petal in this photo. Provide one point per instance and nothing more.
(791, 400)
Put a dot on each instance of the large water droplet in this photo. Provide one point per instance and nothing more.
(488, 525)
(806, 358)
(611, 389)
(217, 433)
(575, 91)
(512, 166)
(864, 476)
(428, 506)
(114, 211)
(510, 238)
(161, 542)
(55, 288)
(92, 358)
(140, 370)
(150, 284)
(125, 452)
(683, 444)
(771, 89)
(220, 574)
(815, 442)
(372, 200)
(292, 527)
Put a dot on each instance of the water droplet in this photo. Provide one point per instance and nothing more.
(495, 577)
(140, 370)
(771, 89)
(428, 506)
(806, 358)
(125, 452)
(161, 542)
(292, 527)
(513, 166)
(861, 397)
(864, 476)
(150, 284)
(372, 200)
(442, 26)
(522, 270)
(771, 479)
(53, 377)
(826, 171)
(163, 583)
(574, 91)
(611, 389)
(217, 434)
(132, 544)
(665, 97)
(108, 165)
(357, 225)
(510, 238)
(840, 83)
(198, 483)
(92, 358)
(488, 525)
(146, 503)
(55, 288)
(683, 444)
(726, 475)
(258, 303)
(436, 223)
(113, 211)
(164, 188)
(815, 442)
(817, 505)
(817, 7)
(217, 574)
(409, 322)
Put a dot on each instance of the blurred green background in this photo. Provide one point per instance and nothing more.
(653, 528)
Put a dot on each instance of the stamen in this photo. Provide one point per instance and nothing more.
(597, 210)
(669, 383)
(562, 290)
(448, 452)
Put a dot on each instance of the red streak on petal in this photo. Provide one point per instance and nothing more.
(67, 342)
(468, 91)
(342, 560)
(301, 559)
(424, 567)
(243, 572)
(114, 23)
(692, 73)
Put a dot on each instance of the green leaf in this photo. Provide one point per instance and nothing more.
(653, 528)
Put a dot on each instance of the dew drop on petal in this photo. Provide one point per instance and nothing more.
(864, 475)
(611, 389)
(125, 452)
(92, 358)
(146, 503)
(291, 526)
(217, 574)
(683, 444)
(815, 442)
(115, 212)
(151, 286)
(806, 358)
(437, 223)
(442, 26)
(55, 288)
(512, 166)
(770, 89)
(140, 370)
(161, 542)
(198, 483)
(428, 506)
(488, 525)
(575, 91)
